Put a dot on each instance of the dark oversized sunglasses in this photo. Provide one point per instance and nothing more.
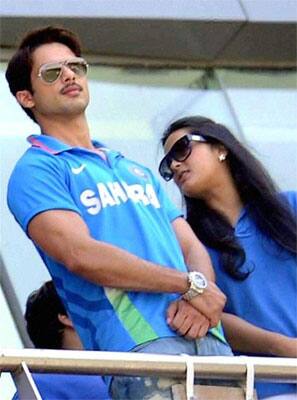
(180, 151)
(51, 72)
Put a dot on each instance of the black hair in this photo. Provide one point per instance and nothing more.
(18, 72)
(270, 211)
(43, 325)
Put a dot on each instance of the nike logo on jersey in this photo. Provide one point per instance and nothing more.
(78, 170)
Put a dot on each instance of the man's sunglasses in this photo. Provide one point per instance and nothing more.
(180, 151)
(51, 72)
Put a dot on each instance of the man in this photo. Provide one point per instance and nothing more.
(118, 251)
(49, 327)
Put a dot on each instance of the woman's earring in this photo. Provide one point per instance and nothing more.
(222, 157)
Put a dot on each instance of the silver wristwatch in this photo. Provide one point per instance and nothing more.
(198, 283)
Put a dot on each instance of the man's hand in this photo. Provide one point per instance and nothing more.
(210, 303)
(186, 320)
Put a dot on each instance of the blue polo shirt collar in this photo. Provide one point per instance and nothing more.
(53, 145)
(244, 226)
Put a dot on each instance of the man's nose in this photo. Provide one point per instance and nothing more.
(67, 73)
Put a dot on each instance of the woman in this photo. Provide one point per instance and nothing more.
(249, 229)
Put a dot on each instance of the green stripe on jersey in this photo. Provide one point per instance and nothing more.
(218, 332)
(139, 329)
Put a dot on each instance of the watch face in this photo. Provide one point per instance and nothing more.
(198, 283)
(200, 280)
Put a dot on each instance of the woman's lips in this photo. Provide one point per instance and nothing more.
(182, 176)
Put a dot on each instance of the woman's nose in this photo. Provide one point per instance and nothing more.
(175, 165)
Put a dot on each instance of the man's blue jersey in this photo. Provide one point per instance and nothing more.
(123, 204)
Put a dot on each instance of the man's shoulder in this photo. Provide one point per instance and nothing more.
(33, 166)
(33, 158)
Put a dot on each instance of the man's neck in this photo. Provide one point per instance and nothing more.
(74, 131)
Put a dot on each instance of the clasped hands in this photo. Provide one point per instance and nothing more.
(194, 318)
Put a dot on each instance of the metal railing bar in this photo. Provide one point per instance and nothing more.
(25, 384)
(136, 364)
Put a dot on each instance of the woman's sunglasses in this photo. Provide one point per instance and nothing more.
(51, 72)
(180, 151)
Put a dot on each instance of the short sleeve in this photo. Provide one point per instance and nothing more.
(170, 209)
(38, 183)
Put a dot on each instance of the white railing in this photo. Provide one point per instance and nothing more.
(20, 363)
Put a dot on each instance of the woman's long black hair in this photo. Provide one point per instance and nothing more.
(269, 210)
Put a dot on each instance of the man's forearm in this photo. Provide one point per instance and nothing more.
(195, 253)
(111, 266)
(64, 236)
(200, 263)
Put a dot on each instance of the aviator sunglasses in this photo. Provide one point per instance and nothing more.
(51, 72)
(180, 151)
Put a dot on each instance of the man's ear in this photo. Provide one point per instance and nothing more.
(65, 320)
(25, 98)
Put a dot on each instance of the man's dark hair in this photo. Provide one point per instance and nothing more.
(18, 72)
(269, 210)
(42, 309)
